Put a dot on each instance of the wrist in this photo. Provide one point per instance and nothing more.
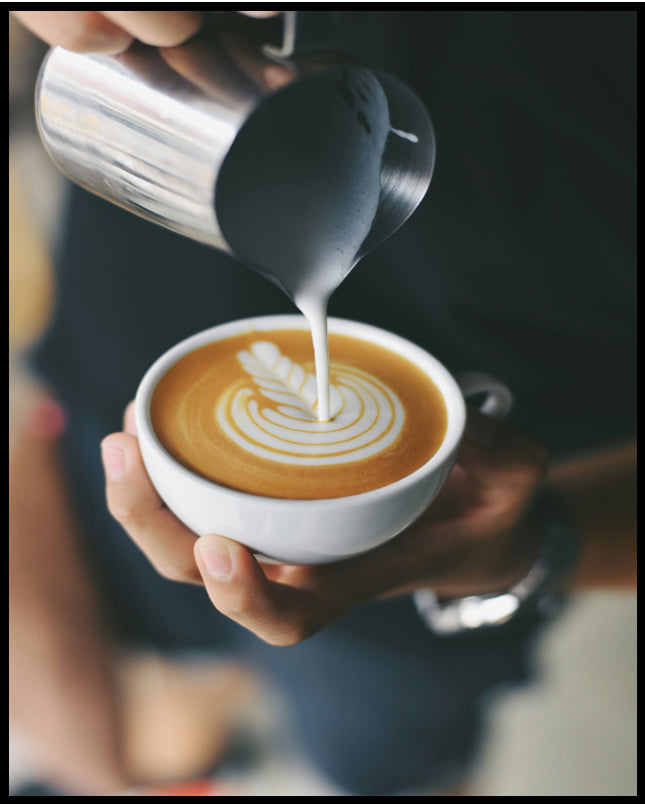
(533, 587)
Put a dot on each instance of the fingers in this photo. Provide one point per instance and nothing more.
(136, 505)
(160, 28)
(278, 613)
(500, 459)
(114, 31)
(80, 31)
(110, 31)
(282, 605)
(285, 604)
(462, 549)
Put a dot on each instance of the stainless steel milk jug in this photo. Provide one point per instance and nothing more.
(154, 129)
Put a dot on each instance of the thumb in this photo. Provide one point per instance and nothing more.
(238, 588)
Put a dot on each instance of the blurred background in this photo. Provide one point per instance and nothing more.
(573, 733)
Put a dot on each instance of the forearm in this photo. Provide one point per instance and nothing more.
(62, 692)
(600, 491)
(62, 697)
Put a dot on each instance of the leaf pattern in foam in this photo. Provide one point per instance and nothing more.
(285, 382)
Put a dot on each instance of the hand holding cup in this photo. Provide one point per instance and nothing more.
(466, 542)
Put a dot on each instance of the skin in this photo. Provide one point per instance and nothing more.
(63, 691)
(114, 31)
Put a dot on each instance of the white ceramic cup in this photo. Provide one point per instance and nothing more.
(317, 530)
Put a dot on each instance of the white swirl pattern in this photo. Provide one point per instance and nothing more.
(366, 416)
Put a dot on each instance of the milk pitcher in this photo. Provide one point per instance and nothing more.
(176, 135)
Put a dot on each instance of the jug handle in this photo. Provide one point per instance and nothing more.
(305, 32)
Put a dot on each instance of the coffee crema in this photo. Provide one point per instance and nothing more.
(242, 412)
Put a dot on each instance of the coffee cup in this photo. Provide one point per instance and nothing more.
(307, 530)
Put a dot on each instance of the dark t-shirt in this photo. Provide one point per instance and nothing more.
(519, 262)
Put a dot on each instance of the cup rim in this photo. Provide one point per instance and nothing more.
(444, 380)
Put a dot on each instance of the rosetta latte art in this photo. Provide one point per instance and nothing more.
(365, 415)
(243, 412)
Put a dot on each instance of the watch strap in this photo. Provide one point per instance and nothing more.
(538, 592)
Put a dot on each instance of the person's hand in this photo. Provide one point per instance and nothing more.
(114, 31)
(467, 542)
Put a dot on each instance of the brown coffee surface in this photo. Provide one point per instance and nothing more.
(242, 412)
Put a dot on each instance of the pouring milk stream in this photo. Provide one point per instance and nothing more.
(302, 198)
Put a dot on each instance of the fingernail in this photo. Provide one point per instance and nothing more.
(216, 558)
(113, 462)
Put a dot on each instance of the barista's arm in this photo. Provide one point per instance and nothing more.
(600, 491)
(468, 542)
(62, 693)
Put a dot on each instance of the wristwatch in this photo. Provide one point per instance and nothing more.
(537, 592)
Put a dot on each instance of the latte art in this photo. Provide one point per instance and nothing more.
(243, 412)
(366, 417)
